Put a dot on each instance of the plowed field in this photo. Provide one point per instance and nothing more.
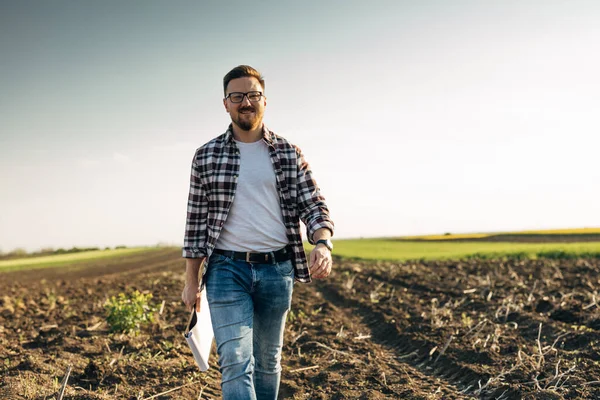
(476, 329)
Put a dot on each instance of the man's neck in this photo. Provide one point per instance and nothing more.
(247, 136)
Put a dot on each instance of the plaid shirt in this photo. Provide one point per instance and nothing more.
(215, 169)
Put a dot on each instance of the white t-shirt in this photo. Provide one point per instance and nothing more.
(254, 222)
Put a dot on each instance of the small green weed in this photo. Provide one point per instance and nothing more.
(128, 313)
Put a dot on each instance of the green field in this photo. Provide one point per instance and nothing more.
(372, 249)
(68, 259)
(547, 232)
(390, 249)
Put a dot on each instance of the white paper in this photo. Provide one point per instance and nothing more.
(199, 333)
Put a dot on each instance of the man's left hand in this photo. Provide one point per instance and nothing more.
(320, 262)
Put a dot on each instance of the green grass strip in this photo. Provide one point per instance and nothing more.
(548, 232)
(385, 249)
(69, 259)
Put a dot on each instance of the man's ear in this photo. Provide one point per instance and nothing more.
(226, 105)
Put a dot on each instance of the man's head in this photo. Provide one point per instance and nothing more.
(242, 71)
(244, 99)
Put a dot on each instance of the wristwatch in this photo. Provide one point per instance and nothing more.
(326, 242)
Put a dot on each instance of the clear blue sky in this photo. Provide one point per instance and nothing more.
(416, 117)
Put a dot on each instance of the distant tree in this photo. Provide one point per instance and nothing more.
(120, 247)
(18, 253)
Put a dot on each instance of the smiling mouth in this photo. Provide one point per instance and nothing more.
(247, 111)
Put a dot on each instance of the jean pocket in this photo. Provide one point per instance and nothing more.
(216, 258)
(285, 268)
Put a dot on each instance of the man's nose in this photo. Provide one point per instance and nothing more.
(246, 100)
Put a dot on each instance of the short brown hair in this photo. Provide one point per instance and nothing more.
(242, 71)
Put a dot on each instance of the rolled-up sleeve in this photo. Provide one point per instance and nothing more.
(311, 204)
(194, 243)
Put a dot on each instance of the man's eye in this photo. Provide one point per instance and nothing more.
(254, 96)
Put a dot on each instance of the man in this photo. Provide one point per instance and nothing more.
(248, 190)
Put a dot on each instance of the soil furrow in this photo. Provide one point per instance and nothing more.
(400, 345)
(95, 268)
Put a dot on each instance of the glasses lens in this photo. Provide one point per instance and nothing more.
(236, 97)
(254, 96)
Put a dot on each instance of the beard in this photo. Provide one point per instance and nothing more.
(247, 122)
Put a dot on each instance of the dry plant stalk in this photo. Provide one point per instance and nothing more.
(305, 368)
(169, 391)
(558, 377)
(299, 336)
(444, 348)
(61, 392)
(592, 304)
(480, 323)
(328, 348)
(361, 337)
(591, 383)
(539, 343)
(350, 282)
(412, 353)
(530, 297)
(498, 377)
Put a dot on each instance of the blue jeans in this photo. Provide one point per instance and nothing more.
(248, 307)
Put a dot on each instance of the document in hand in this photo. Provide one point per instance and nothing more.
(199, 333)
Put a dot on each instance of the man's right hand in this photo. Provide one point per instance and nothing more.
(191, 297)
(191, 291)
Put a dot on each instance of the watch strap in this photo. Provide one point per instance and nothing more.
(326, 242)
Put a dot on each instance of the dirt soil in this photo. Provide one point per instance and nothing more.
(476, 329)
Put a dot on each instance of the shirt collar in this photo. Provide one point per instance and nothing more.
(266, 133)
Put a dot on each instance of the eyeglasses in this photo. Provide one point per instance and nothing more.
(238, 97)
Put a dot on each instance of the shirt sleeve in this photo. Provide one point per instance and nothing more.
(194, 243)
(311, 204)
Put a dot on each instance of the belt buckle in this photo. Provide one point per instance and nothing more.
(265, 254)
